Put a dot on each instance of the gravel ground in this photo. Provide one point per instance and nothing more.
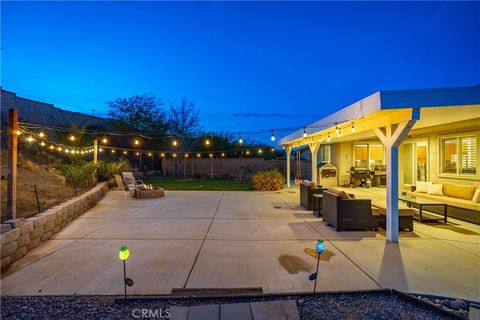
(323, 306)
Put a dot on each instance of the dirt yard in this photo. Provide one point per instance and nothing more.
(51, 186)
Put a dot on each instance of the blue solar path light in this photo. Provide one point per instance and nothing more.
(123, 255)
(320, 247)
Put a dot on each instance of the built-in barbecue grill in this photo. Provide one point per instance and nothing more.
(360, 177)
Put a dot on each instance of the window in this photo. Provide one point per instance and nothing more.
(361, 155)
(376, 154)
(325, 154)
(459, 155)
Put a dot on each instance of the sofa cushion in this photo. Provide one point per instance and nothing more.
(422, 186)
(458, 191)
(451, 201)
(340, 193)
(381, 205)
(436, 189)
(476, 197)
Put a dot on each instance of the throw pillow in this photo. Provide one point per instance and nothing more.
(476, 196)
(422, 186)
(435, 189)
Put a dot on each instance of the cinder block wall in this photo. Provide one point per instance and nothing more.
(30, 232)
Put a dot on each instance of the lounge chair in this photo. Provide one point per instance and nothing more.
(130, 179)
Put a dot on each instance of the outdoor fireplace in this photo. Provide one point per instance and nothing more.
(327, 175)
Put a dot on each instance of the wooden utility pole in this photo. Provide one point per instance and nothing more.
(95, 151)
(12, 164)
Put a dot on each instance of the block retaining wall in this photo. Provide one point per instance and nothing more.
(29, 233)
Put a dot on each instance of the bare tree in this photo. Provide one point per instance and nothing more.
(184, 123)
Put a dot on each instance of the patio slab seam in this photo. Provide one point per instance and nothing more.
(203, 241)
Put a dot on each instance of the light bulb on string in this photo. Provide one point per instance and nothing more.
(42, 143)
(272, 149)
(304, 132)
(149, 154)
(104, 140)
(52, 147)
(113, 151)
(260, 150)
(77, 152)
(162, 155)
(82, 152)
(18, 132)
(353, 127)
(247, 152)
(223, 154)
(67, 151)
(320, 139)
(174, 142)
(174, 155)
(30, 139)
(339, 132)
(41, 134)
(207, 142)
(59, 148)
(328, 139)
(186, 155)
(136, 142)
(198, 155)
(336, 128)
(100, 149)
(137, 153)
(125, 152)
(210, 155)
(72, 138)
(272, 137)
(240, 140)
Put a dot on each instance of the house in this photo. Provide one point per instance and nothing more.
(416, 135)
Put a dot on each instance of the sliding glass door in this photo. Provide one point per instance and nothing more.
(415, 165)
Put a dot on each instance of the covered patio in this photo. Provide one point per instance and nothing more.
(389, 117)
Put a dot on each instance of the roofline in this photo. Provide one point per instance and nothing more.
(393, 99)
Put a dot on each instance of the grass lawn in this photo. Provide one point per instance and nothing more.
(199, 184)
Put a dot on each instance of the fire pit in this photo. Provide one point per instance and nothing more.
(149, 193)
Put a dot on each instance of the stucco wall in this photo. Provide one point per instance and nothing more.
(44, 113)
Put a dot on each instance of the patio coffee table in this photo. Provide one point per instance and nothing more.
(420, 202)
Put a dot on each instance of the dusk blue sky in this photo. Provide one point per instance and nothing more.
(247, 65)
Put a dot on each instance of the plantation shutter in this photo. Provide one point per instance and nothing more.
(468, 154)
(449, 155)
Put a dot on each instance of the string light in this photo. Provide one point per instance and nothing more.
(72, 137)
(30, 139)
(41, 134)
(136, 142)
(162, 155)
(18, 132)
(272, 149)
(247, 152)
(353, 127)
(260, 151)
(52, 147)
(149, 154)
(207, 142)
(100, 149)
(339, 133)
(174, 155)
(174, 142)
(304, 132)
(320, 139)
(186, 155)
(125, 152)
(210, 155)
(137, 153)
(336, 128)
(82, 152)
(67, 151)
(240, 140)
(273, 137)
(113, 151)
(223, 154)
(198, 155)
(104, 140)
(59, 148)
(42, 143)
(328, 139)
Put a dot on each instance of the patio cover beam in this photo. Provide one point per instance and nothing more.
(391, 137)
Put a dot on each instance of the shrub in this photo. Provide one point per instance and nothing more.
(107, 170)
(269, 180)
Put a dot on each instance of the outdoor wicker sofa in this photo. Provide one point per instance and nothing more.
(343, 212)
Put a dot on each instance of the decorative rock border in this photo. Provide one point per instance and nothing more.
(22, 235)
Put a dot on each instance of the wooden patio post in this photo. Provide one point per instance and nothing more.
(288, 151)
(314, 147)
(95, 151)
(12, 164)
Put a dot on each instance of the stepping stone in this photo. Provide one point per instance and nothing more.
(204, 312)
(267, 310)
(235, 311)
(290, 309)
(178, 313)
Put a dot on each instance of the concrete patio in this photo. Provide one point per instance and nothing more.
(192, 239)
